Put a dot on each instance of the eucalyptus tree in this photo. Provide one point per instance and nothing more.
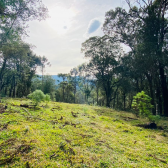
(85, 82)
(74, 80)
(26, 67)
(14, 14)
(9, 55)
(144, 29)
(44, 63)
(17, 62)
(69, 93)
(18, 65)
(103, 64)
(48, 85)
(63, 84)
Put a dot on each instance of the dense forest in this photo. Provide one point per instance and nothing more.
(111, 77)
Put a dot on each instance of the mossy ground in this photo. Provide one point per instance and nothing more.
(70, 135)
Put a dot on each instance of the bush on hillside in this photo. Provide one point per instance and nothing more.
(47, 98)
(38, 96)
(143, 107)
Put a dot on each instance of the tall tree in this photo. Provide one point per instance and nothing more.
(63, 84)
(144, 30)
(14, 14)
(44, 63)
(18, 65)
(74, 80)
(103, 64)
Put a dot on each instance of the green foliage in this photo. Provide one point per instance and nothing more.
(38, 96)
(154, 118)
(14, 83)
(47, 98)
(15, 14)
(103, 64)
(142, 106)
(17, 61)
(144, 31)
(104, 164)
(46, 84)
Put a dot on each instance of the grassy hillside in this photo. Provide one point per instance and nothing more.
(68, 135)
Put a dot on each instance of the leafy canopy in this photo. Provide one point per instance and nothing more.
(38, 96)
(142, 106)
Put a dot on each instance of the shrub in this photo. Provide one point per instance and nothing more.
(37, 96)
(47, 98)
(142, 106)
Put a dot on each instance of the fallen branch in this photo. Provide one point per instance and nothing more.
(52, 156)
(164, 161)
(129, 118)
(27, 111)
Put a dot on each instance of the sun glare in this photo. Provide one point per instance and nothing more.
(61, 19)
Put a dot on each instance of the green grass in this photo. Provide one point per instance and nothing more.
(80, 136)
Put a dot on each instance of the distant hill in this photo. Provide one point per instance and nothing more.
(57, 79)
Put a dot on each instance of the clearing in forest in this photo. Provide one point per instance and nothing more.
(70, 135)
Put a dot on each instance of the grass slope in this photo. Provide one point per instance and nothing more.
(70, 135)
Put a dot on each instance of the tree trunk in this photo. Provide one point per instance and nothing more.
(97, 95)
(117, 101)
(137, 85)
(63, 94)
(1, 72)
(75, 95)
(151, 91)
(159, 98)
(6, 90)
(14, 87)
(10, 91)
(114, 102)
(164, 91)
(108, 100)
(124, 100)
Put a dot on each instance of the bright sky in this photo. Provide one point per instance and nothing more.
(71, 22)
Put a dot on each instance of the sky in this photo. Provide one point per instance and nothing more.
(70, 23)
